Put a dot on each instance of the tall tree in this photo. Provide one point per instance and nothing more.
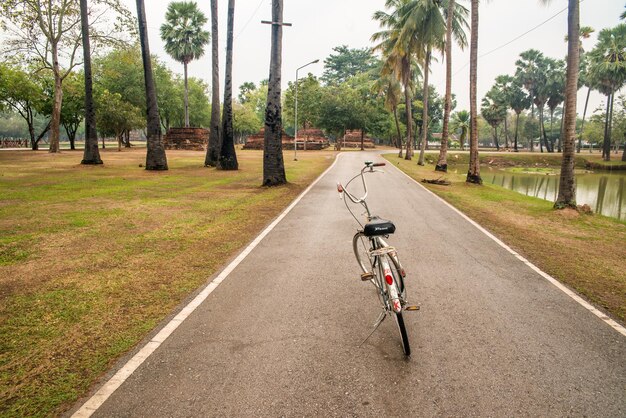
(91, 155)
(50, 32)
(184, 37)
(213, 148)
(347, 62)
(398, 53)
(442, 162)
(529, 73)
(567, 185)
(518, 101)
(461, 120)
(607, 72)
(155, 156)
(228, 157)
(473, 173)
(273, 164)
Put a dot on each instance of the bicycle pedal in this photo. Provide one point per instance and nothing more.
(367, 276)
(412, 308)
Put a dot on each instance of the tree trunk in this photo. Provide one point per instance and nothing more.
(57, 102)
(228, 158)
(567, 185)
(516, 131)
(127, 139)
(213, 148)
(442, 162)
(273, 164)
(399, 143)
(71, 134)
(186, 96)
(606, 145)
(409, 117)
(506, 131)
(495, 137)
(611, 125)
(582, 125)
(362, 139)
(424, 136)
(155, 156)
(91, 154)
(473, 173)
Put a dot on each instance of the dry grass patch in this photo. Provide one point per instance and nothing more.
(92, 258)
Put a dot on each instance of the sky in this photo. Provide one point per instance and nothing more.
(321, 25)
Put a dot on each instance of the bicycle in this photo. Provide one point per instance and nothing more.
(378, 260)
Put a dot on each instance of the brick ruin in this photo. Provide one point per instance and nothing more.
(314, 139)
(194, 139)
(352, 139)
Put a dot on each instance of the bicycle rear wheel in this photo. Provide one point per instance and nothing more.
(403, 335)
(361, 247)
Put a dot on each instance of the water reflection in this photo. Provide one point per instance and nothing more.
(604, 192)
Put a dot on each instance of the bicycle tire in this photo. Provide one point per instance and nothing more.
(406, 347)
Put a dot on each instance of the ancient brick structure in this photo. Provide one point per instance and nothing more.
(315, 140)
(352, 139)
(186, 138)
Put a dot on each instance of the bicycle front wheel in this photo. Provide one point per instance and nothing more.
(403, 335)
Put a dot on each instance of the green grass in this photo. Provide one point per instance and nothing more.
(586, 252)
(93, 257)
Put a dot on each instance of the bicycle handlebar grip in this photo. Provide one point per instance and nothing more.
(378, 164)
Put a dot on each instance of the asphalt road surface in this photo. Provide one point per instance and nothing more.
(280, 336)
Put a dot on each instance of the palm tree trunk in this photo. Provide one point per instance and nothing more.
(213, 148)
(155, 156)
(395, 117)
(567, 185)
(424, 135)
(495, 131)
(409, 117)
(273, 163)
(516, 132)
(606, 145)
(506, 130)
(473, 173)
(186, 98)
(91, 155)
(582, 125)
(442, 163)
(611, 125)
(228, 157)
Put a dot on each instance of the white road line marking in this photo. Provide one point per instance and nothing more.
(616, 326)
(129, 368)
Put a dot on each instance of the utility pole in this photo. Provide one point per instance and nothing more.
(273, 163)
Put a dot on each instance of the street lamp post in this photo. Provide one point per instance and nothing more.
(295, 138)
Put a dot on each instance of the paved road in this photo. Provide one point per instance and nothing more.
(279, 337)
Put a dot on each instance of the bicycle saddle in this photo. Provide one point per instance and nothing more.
(378, 226)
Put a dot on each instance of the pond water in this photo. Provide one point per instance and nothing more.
(604, 192)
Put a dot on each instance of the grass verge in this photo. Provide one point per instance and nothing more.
(586, 252)
(92, 258)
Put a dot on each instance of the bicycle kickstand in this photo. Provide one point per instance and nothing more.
(379, 321)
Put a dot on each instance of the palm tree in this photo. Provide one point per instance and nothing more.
(398, 53)
(493, 111)
(518, 101)
(607, 72)
(461, 120)
(473, 173)
(155, 156)
(227, 156)
(389, 87)
(184, 37)
(555, 88)
(213, 148)
(442, 162)
(91, 154)
(273, 164)
(567, 185)
(529, 74)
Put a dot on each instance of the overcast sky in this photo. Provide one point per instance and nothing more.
(321, 25)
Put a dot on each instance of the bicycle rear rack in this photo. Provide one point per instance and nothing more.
(381, 251)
